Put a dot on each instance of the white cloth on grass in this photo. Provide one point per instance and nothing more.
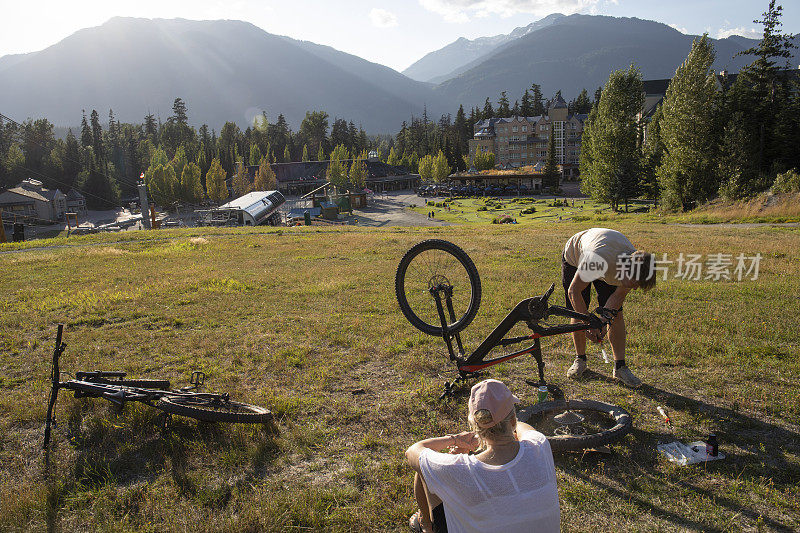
(519, 496)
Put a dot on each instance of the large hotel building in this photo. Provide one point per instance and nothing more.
(521, 141)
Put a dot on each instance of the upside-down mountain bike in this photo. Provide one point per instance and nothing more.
(187, 401)
(439, 292)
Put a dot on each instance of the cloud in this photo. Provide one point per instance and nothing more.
(459, 11)
(679, 28)
(382, 18)
(750, 33)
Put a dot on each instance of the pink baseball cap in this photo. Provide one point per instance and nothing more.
(493, 396)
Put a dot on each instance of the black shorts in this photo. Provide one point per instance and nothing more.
(438, 519)
(604, 290)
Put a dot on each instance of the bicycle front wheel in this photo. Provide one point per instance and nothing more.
(214, 409)
(437, 266)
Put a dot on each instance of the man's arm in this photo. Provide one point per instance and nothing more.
(617, 298)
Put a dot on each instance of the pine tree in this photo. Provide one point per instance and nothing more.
(215, 182)
(358, 172)
(241, 181)
(255, 155)
(537, 103)
(488, 111)
(178, 163)
(582, 103)
(652, 156)
(86, 132)
(393, 159)
(265, 177)
(587, 158)
(336, 172)
(503, 111)
(613, 140)
(191, 185)
(320, 154)
(287, 156)
(526, 108)
(687, 173)
(550, 179)
(738, 165)
(305, 153)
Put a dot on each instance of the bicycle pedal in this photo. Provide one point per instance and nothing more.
(197, 379)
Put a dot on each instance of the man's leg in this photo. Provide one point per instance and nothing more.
(617, 335)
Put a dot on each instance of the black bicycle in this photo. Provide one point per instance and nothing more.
(439, 292)
(112, 386)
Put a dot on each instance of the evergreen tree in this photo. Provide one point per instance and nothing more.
(537, 103)
(582, 103)
(526, 109)
(550, 178)
(393, 159)
(216, 190)
(652, 156)
(305, 153)
(358, 172)
(241, 181)
(86, 132)
(738, 166)
(687, 173)
(488, 111)
(72, 160)
(320, 154)
(336, 172)
(97, 135)
(614, 139)
(191, 185)
(287, 156)
(178, 163)
(503, 111)
(265, 177)
(255, 155)
(587, 158)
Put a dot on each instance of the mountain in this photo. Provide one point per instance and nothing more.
(580, 51)
(460, 55)
(224, 70)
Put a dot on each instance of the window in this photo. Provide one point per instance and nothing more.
(514, 129)
(524, 128)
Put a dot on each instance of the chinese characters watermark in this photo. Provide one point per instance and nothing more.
(692, 267)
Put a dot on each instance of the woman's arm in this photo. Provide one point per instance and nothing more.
(463, 442)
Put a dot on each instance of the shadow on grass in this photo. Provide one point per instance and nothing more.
(733, 428)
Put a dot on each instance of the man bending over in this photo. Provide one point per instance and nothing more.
(606, 259)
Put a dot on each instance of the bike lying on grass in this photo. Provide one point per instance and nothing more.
(439, 292)
(112, 386)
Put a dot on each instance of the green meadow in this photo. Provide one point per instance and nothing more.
(304, 322)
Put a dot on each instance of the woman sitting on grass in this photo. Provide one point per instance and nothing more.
(509, 485)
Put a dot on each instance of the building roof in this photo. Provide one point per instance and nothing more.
(558, 103)
(73, 194)
(28, 193)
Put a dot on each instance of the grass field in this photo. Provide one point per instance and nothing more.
(765, 208)
(298, 319)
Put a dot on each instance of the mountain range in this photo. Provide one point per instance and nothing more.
(227, 70)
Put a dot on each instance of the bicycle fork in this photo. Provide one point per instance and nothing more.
(55, 376)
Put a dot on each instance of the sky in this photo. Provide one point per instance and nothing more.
(393, 33)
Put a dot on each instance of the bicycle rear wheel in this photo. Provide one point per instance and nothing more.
(440, 265)
(575, 425)
(214, 410)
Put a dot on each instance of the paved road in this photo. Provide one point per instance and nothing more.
(390, 209)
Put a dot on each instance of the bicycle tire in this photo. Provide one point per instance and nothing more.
(233, 412)
(623, 423)
(442, 260)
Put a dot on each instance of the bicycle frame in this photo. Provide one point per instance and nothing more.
(531, 311)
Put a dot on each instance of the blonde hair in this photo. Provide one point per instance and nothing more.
(504, 428)
(647, 272)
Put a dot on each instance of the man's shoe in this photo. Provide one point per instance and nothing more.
(625, 375)
(577, 369)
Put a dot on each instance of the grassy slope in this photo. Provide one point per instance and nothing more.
(297, 319)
